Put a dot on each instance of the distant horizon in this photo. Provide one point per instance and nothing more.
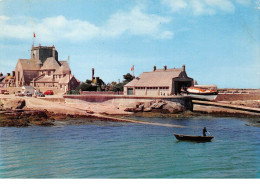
(218, 40)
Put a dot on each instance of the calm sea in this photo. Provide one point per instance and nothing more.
(96, 149)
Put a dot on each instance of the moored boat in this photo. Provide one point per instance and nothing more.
(193, 138)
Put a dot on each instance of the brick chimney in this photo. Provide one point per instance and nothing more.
(154, 68)
(183, 67)
(93, 73)
(165, 68)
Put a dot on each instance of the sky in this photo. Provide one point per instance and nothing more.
(217, 40)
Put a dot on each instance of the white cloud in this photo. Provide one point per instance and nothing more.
(224, 5)
(244, 2)
(204, 7)
(175, 5)
(3, 18)
(134, 22)
(199, 8)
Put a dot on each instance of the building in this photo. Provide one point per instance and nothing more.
(43, 71)
(159, 82)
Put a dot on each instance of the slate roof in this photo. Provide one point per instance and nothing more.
(28, 64)
(46, 79)
(50, 63)
(159, 77)
(65, 79)
(2, 78)
(63, 69)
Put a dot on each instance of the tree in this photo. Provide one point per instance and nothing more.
(128, 78)
(86, 87)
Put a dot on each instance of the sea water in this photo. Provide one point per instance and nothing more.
(98, 149)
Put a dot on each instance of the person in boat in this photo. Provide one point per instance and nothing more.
(204, 131)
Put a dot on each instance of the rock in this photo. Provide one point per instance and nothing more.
(89, 112)
(140, 109)
(173, 107)
(10, 104)
(46, 124)
(148, 109)
(138, 104)
(158, 105)
(130, 109)
(147, 104)
(20, 104)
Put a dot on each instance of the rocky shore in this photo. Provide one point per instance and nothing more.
(160, 106)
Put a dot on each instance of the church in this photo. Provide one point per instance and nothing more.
(44, 71)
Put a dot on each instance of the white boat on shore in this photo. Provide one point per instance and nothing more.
(206, 92)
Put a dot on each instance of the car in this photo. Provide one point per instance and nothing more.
(18, 93)
(27, 93)
(49, 92)
(6, 93)
(39, 94)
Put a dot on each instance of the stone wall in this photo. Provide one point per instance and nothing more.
(126, 100)
(234, 97)
(101, 92)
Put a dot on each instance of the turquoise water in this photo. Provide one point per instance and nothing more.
(125, 150)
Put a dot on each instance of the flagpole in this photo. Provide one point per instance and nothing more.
(133, 69)
(33, 38)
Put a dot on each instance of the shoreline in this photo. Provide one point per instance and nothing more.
(28, 111)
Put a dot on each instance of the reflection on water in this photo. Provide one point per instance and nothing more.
(94, 149)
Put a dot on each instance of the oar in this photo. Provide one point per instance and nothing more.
(209, 132)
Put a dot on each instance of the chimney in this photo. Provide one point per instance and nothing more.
(1, 74)
(93, 72)
(53, 52)
(183, 67)
(154, 68)
(13, 73)
(165, 68)
(8, 74)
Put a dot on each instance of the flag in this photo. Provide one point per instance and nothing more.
(132, 68)
(34, 35)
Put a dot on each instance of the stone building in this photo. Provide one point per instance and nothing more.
(159, 82)
(44, 71)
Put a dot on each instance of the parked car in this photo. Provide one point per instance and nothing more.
(6, 93)
(39, 94)
(49, 92)
(27, 93)
(18, 93)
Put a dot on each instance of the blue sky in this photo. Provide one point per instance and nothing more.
(217, 40)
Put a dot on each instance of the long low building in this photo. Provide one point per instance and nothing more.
(159, 82)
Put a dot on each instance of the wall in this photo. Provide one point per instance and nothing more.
(128, 100)
(234, 97)
(44, 53)
(100, 92)
(13, 90)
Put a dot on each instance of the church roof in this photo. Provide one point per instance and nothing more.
(156, 78)
(28, 64)
(65, 79)
(63, 69)
(50, 63)
(45, 79)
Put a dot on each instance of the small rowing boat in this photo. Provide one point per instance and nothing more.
(193, 138)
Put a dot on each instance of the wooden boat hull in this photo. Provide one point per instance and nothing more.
(193, 138)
